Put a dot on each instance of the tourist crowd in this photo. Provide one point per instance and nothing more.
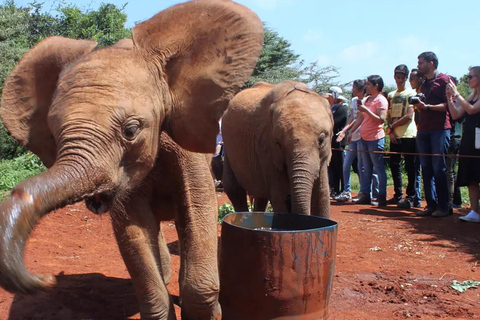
(424, 124)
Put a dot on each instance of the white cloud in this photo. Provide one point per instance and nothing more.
(360, 52)
(313, 36)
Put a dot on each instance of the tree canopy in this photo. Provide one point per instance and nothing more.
(23, 27)
(278, 62)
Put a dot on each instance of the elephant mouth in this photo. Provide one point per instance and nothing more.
(100, 202)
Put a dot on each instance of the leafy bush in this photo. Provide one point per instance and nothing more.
(227, 208)
(223, 210)
(18, 169)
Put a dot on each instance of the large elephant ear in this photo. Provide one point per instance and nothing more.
(206, 49)
(28, 92)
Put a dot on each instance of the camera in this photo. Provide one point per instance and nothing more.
(416, 98)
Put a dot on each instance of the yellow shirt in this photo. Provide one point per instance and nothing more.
(398, 108)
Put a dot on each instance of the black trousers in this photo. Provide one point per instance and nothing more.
(335, 171)
(412, 167)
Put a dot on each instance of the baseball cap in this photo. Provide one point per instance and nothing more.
(336, 93)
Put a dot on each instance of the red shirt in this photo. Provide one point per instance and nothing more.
(435, 93)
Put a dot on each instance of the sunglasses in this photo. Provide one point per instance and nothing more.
(470, 77)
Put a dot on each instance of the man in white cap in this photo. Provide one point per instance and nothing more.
(340, 114)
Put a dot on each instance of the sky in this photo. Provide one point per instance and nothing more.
(358, 37)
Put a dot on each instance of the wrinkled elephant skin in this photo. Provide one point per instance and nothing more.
(277, 141)
(118, 127)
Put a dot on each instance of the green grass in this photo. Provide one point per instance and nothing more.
(18, 169)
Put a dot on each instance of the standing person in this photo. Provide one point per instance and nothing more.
(339, 112)
(454, 195)
(403, 131)
(468, 168)
(416, 79)
(372, 118)
(217, 159)
(433, 136)
(358, 92)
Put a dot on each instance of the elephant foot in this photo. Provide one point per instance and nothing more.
(156, 316)
(214, 314)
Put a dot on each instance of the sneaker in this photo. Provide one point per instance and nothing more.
(426, 212)
(417, 204)
(456, 206)
(357, 197)
(381, 201)
(333, 194)
(406, 203)
(344, 196)
(472, 216)
(364, 199)
(442, 213)
(394, 200)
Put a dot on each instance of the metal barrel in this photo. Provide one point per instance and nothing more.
(276, 266)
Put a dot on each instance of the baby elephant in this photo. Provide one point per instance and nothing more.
(277, 141)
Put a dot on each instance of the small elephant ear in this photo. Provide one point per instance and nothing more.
(206, 49)
(28, 92)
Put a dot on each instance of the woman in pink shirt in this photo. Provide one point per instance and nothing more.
(372, 118)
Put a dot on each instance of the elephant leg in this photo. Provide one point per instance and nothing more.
(198, 239)
(234, 191)
(260, 204)
(279, 203)
(320, 202)
(164, 256)
(137, 233)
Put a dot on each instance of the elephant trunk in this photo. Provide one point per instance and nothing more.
(304, 171)
(20, 212)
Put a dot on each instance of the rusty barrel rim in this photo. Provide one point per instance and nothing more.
(286, 222)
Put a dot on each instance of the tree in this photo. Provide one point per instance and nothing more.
(13, 37)
(22, 28)
(321, 78)
(276, 62)
(107, 25)
(13, 45)
(464, 87)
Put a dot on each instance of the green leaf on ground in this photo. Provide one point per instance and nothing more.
(462, 286)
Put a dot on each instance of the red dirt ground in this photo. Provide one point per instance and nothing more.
(408, 275)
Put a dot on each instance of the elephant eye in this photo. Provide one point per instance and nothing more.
(321, 139)
(131, 130)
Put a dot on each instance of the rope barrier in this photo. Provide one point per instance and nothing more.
(410, 153)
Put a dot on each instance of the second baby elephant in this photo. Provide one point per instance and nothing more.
(277, 141)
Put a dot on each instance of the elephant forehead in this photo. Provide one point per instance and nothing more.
(108, 84)
(108, 69)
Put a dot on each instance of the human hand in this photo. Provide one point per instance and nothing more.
(452, 90)
(393, 138)
(420, 105)
(340, 136)
(362, 108)
(349, 138)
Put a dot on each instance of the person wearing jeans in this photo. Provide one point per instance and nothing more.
(433, 136)
(358, 92)
(371, 119)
